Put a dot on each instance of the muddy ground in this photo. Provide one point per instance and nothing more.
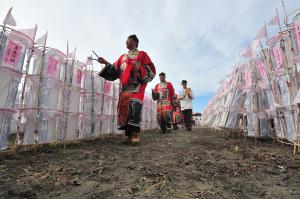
(197, 164)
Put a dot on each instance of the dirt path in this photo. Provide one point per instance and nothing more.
(199, 164)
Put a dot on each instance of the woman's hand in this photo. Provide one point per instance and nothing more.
(101, 60)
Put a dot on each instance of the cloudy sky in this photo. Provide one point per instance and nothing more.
(187, 39)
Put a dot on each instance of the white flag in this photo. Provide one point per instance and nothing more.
(262, 32)
(72, 55)
(274, 21)
(247, 52)
(29, 32)
(256, 43)
(42, 40)
(9, 19)
(221, 81)
(89, 61)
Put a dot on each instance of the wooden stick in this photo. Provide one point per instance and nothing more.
(95, 54)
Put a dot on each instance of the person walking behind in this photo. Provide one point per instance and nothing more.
(164, 94)
(186, 97)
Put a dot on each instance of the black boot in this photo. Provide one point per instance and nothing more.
(163, 127)
(128, 137)
(175, 127)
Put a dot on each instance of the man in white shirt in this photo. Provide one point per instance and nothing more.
(186, 97)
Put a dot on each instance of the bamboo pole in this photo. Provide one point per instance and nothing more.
(21, 105)
(41, 76)
(68, 84)
(63, 120)
(93, 100)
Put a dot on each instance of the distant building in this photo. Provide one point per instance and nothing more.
(196, 118)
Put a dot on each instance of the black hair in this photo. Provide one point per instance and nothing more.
(162, 74)
(134, 37)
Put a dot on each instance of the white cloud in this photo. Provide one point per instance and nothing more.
(188, 39)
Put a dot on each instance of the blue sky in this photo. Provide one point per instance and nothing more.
(187, 39)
